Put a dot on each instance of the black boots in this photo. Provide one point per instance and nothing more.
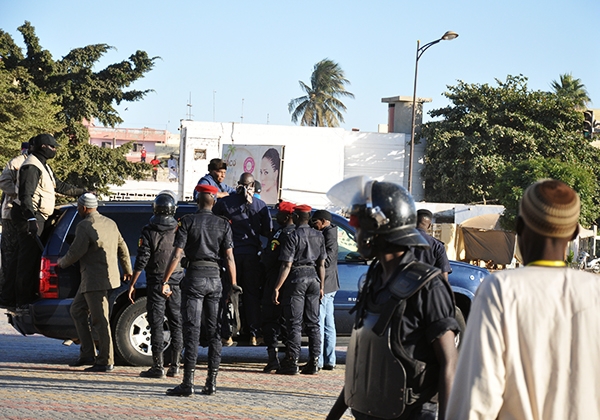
(156, 371)
(289, 366)
(186, 388)
(312, 367)
(273, 363)
(174, 368)
(210, 387)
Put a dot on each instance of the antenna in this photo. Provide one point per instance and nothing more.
(267, 118)
(242, 110)
(189, 105)
(214, 93)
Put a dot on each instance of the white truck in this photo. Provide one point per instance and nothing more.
(312, 159)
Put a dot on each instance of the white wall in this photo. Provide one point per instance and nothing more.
(314, 160)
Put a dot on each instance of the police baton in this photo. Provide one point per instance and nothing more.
(38, 242)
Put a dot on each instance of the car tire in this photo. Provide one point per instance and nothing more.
(462, 325)
(132, 335)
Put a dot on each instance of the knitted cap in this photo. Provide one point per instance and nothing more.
(88, 200)
(550, 208)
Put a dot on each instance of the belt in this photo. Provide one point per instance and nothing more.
(202, 263)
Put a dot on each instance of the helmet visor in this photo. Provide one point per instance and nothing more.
(350, 192)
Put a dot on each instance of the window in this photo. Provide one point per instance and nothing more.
(107, 144)
(137, 147)
(346, 244)
(199, 154)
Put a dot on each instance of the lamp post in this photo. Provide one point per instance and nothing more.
(449, 35)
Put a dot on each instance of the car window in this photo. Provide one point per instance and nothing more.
(346, 243)
(130, 224)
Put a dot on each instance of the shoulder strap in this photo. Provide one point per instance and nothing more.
(402, 286)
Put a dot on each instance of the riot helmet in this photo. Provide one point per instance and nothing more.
(380, 209)
(165, 203)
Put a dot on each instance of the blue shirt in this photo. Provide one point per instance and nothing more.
(248, 222)
(209, 180)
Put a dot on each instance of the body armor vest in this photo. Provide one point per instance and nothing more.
(377, 382)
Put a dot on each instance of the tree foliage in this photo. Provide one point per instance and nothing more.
(573, 89)
(491, 134)
(321, 106)
(40, 94)
(516, 178)
(23, 113)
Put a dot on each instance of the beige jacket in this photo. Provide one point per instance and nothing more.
(99, 247)
(43, 197)
(8, 183)
(531, 350)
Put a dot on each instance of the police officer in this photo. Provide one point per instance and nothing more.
(271, 313)
(154, 251)
(301, 280)
(401, 352)
(203, 237)
(436, 253)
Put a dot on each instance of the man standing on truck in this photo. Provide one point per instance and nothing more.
(10, 244)
(32, 207)
(154, 251)
(401, 352)
(531, 348)
(98, 246)
(250, 219)
(204, 238)
(217, 169)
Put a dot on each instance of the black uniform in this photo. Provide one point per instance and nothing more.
(154, 253)
(378, 360)
(204, 237)
(435, 255)
(301, 291)
(271, 313)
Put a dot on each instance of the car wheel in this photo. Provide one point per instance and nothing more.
(132, 335)
(462, 324)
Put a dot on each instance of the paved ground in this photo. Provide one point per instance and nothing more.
(37, 383)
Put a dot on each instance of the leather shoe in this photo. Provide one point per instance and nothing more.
(99, 368)
(228, 342)
(328, 367)
(83, 361)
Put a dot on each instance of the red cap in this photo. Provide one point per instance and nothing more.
(286, 207)
(303, 208)
(206, 188)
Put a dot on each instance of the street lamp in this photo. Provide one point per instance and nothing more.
(449, 35)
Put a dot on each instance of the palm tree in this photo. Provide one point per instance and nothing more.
(321, 106)
(573, 89)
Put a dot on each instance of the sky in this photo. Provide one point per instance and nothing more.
(241, 61)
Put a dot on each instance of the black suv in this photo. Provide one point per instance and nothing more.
(49, 315)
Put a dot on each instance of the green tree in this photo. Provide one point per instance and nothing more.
(321, 106)
(573, 89)
(82, 92)
(489, 130)
(23, 113)
(40, 94)
(515, 178)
